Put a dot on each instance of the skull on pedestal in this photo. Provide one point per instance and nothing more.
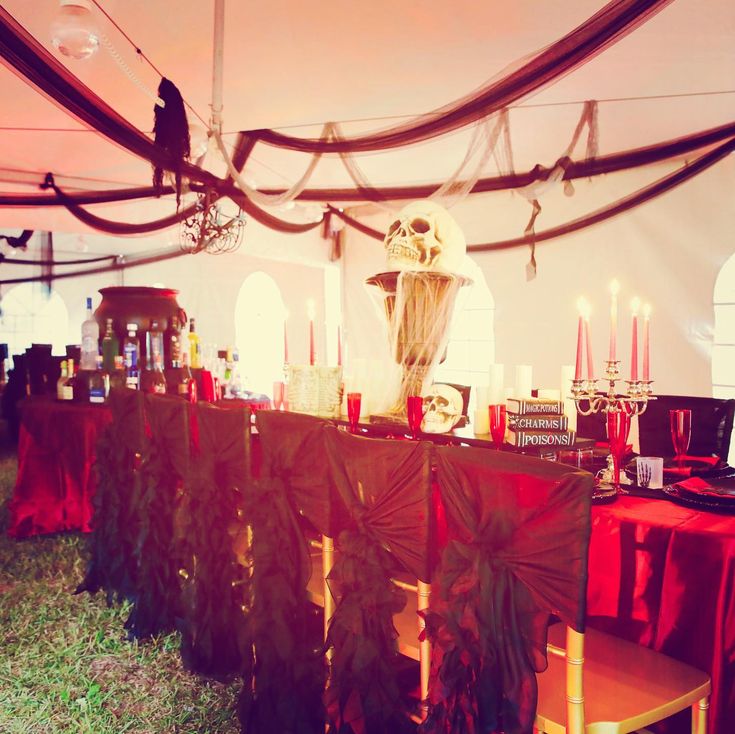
(425, 237)
(442, 409)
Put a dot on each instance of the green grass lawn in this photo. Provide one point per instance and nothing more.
(65, 664)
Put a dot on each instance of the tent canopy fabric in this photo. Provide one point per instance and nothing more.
(293, 66)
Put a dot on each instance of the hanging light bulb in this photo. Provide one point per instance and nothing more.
(73, 30)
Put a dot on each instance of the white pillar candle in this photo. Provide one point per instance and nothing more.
(524, 381)
(496, 392)
(481, 421)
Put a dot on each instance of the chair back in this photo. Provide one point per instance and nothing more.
(518, 533)
(386, 487)
(712, 423)
(293, 450)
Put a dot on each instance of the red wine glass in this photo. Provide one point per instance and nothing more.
(680, 421)
(354, 403)
(415, 414)
(618, 427)
(497, 424)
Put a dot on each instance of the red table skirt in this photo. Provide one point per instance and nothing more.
(55, 484)
(663, 575)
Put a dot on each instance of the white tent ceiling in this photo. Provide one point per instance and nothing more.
(291, 64)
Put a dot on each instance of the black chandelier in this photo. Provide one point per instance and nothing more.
(210, 230)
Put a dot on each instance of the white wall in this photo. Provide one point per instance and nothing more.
(668, 252)
(208, 284)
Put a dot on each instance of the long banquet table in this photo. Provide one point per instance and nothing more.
(660, 574)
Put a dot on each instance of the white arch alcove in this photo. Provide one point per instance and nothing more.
(259, 317)
(30, 315)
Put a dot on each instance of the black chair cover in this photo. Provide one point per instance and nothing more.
(518, 531)
(712, 421)
(386, 486)
(285, 691)
(120, 453)
(162, 486)
(210, 537)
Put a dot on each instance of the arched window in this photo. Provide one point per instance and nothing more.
(471, 347)
(31, 315)
(259, 317)
(723, 348)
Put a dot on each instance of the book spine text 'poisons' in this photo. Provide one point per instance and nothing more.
(522, 439)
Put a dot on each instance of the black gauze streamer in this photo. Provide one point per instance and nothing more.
(171, 130)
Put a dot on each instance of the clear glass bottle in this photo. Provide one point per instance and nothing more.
(60, 382)
(99, 383)
(67, 390)
(195, 347)
(110, 347)
(153, 379)
(90, 340)
(131, 353)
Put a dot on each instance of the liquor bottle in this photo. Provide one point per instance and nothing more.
(67, 389)
(181, 379)
(99, 383)
(60, 382)
(90, 340)
(195, 347)
(110, 348)
(131, 353)
(117, 376)
(153, 379)
(172, 343)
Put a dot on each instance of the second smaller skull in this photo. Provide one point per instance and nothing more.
(442, 409)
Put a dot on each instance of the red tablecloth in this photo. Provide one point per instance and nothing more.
(55, 484)
(664, 576)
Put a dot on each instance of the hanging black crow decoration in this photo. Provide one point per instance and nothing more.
(171, 130)
(20, 242)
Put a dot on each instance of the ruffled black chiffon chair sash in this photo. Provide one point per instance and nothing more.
(518, 533)
(121, 451)
(211, 535)
(285, 692)
(386, 487)
(164, 474)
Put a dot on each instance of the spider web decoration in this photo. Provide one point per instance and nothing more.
(209, 230)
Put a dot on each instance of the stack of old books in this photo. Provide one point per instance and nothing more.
(538, 422)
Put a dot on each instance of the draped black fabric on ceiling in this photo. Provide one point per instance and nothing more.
(621, 161)
(640, 196)
(611, 23)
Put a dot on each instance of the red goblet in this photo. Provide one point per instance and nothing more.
(680, 420)
(618, 427)
(354, 402)
(497, 424)
(415, 414)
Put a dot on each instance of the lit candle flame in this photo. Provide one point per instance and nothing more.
(615, 287)
(635, 305)
(310, 309)
(646, 310)
(583, 306)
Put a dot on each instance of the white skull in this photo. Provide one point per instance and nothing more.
(425, 237)
(442, 409)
